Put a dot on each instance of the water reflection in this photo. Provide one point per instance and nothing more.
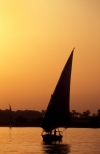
(56, 148)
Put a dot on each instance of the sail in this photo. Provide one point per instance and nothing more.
(10, 109)
(10, 113)
(58, 110)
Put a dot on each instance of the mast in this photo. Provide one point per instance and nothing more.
(10, 114)
(58, 110)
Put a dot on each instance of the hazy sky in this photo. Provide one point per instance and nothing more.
(36, 39)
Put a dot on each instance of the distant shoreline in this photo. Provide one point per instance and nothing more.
(31, 118)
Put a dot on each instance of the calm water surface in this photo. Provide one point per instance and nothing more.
(28, 141)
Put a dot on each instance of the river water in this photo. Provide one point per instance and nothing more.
(27, 140)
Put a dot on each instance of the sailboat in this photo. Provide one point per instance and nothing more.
(57, 114)
(10, 114)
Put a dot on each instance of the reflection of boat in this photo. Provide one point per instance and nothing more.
(57, 113)
(56, 148)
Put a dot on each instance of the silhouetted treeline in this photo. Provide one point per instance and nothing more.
(33, 118)
(85, 119)
(21, 118)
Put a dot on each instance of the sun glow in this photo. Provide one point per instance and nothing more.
(36, 38)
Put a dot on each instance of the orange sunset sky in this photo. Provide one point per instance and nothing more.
(36, 39)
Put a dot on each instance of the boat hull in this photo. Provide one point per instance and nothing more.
(51, 137)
